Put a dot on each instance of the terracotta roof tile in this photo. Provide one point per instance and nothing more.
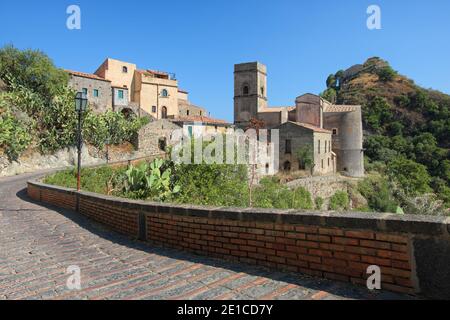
(340, 108)
(86, 75)
(277, 109)
(202, 119)
(310, 127)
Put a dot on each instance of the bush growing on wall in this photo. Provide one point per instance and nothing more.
(377, 191)
(339, 201)
(272, 194)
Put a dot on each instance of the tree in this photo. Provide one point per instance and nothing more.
(331, 81)
(330, 95)
(386, 74)
(31, 69)
(377, 114)
(412, 177)
(339, 76)
(305, 156)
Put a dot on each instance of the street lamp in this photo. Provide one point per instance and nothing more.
(81, 103)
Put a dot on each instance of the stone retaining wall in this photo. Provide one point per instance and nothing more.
(412, 252)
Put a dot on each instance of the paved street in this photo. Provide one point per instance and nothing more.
(38, 244)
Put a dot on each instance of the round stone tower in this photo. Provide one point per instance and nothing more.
(351, 143)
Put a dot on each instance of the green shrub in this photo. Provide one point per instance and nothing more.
(302, 199)
(411, 176)
(110, 128)
(213, 184)
(386, 74)
(319, 203)
(272, 194)
(378, 193)
(339, 201)
(95, 180)
(15, 137)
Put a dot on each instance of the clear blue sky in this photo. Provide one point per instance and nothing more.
(301, 42)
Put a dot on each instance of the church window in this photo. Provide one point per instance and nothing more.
(288, 147)
(245, 90)
(335, 131)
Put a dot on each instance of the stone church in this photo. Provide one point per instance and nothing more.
(332, 132)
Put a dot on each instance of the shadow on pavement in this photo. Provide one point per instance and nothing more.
(340, 289)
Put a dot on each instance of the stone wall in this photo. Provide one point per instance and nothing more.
(67, 158)
(326, 186)
(412, 252)
(148, 138)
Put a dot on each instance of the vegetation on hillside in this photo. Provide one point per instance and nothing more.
(407, 130)
(37, 108)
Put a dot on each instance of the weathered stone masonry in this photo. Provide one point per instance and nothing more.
(413, 252)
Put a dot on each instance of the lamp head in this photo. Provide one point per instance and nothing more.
(81, 101)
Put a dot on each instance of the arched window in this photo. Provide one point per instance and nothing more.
(245, 90)
(124, 69)
(164, 113)
(164, 93)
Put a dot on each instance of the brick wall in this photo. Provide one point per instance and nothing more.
(325, 252)
(408, 249)
(125, 221)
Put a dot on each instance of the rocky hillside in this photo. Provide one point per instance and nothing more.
(407, 127)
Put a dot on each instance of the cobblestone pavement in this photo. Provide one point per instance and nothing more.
(38, 244)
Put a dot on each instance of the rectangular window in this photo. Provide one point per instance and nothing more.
(187, 112)
(190, 131)
(319, 147)
(154, 109)
(120, 94)
(329, 146)
(326, 146)
(335, 131)
(288, 147)
(328, 162)
(85, 91)
(322, 163)
(96, 93)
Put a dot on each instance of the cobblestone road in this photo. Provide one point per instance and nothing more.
(38, 244)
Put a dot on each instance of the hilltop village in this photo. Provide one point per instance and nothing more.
(333, 132)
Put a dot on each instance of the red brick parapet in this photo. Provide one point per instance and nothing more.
(413, 252)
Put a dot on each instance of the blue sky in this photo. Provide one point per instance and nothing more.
(301, 42)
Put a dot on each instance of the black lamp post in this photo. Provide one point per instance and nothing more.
(81, 103)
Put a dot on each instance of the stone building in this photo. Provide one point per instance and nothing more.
(158, 134)
(186, 108)
(334, 132)
(294, 136)
(97, 89)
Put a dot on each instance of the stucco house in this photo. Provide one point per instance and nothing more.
(122, 87)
